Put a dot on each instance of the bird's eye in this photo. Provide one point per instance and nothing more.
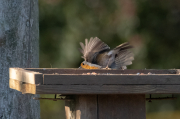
(82, 63)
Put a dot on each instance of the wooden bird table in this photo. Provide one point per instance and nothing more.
(97, 94)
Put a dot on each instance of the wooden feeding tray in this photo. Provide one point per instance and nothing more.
(78, 81)
(98, 94)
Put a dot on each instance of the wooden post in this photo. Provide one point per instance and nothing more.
(106, 107)
(19, 47)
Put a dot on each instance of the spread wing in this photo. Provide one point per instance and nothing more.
(92, 48)
(121, 56)
(124, 58)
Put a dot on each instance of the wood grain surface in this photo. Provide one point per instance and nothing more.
(19, 47)
(121, 107)
(83, 107)
(166, 79)
(80, 71)
(25, 88)
(27, 76)
(108, 89)
(106, 107)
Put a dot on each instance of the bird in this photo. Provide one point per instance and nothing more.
(98, 55)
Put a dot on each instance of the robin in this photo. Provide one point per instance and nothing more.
(97, 55)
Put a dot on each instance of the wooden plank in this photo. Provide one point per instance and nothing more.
(167, 79)
(121, 107)
(26, 76)
(22, 87)
(108, 89)
(80, 71)
(83, 107)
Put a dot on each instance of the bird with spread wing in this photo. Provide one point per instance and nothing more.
(98, 55)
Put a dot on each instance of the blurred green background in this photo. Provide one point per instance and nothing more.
(152, 27)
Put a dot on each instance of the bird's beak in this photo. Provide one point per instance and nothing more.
(80, 67)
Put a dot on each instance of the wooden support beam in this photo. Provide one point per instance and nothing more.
(108, 89)
(27, 76)
(83, 107)
(93, 89)
(22, 87)
(106, 107)
(80, 71)
(110, 79)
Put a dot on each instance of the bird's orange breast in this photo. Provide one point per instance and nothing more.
(85, 66)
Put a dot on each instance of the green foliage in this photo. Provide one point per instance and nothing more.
(52, 109)
(159, 26)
